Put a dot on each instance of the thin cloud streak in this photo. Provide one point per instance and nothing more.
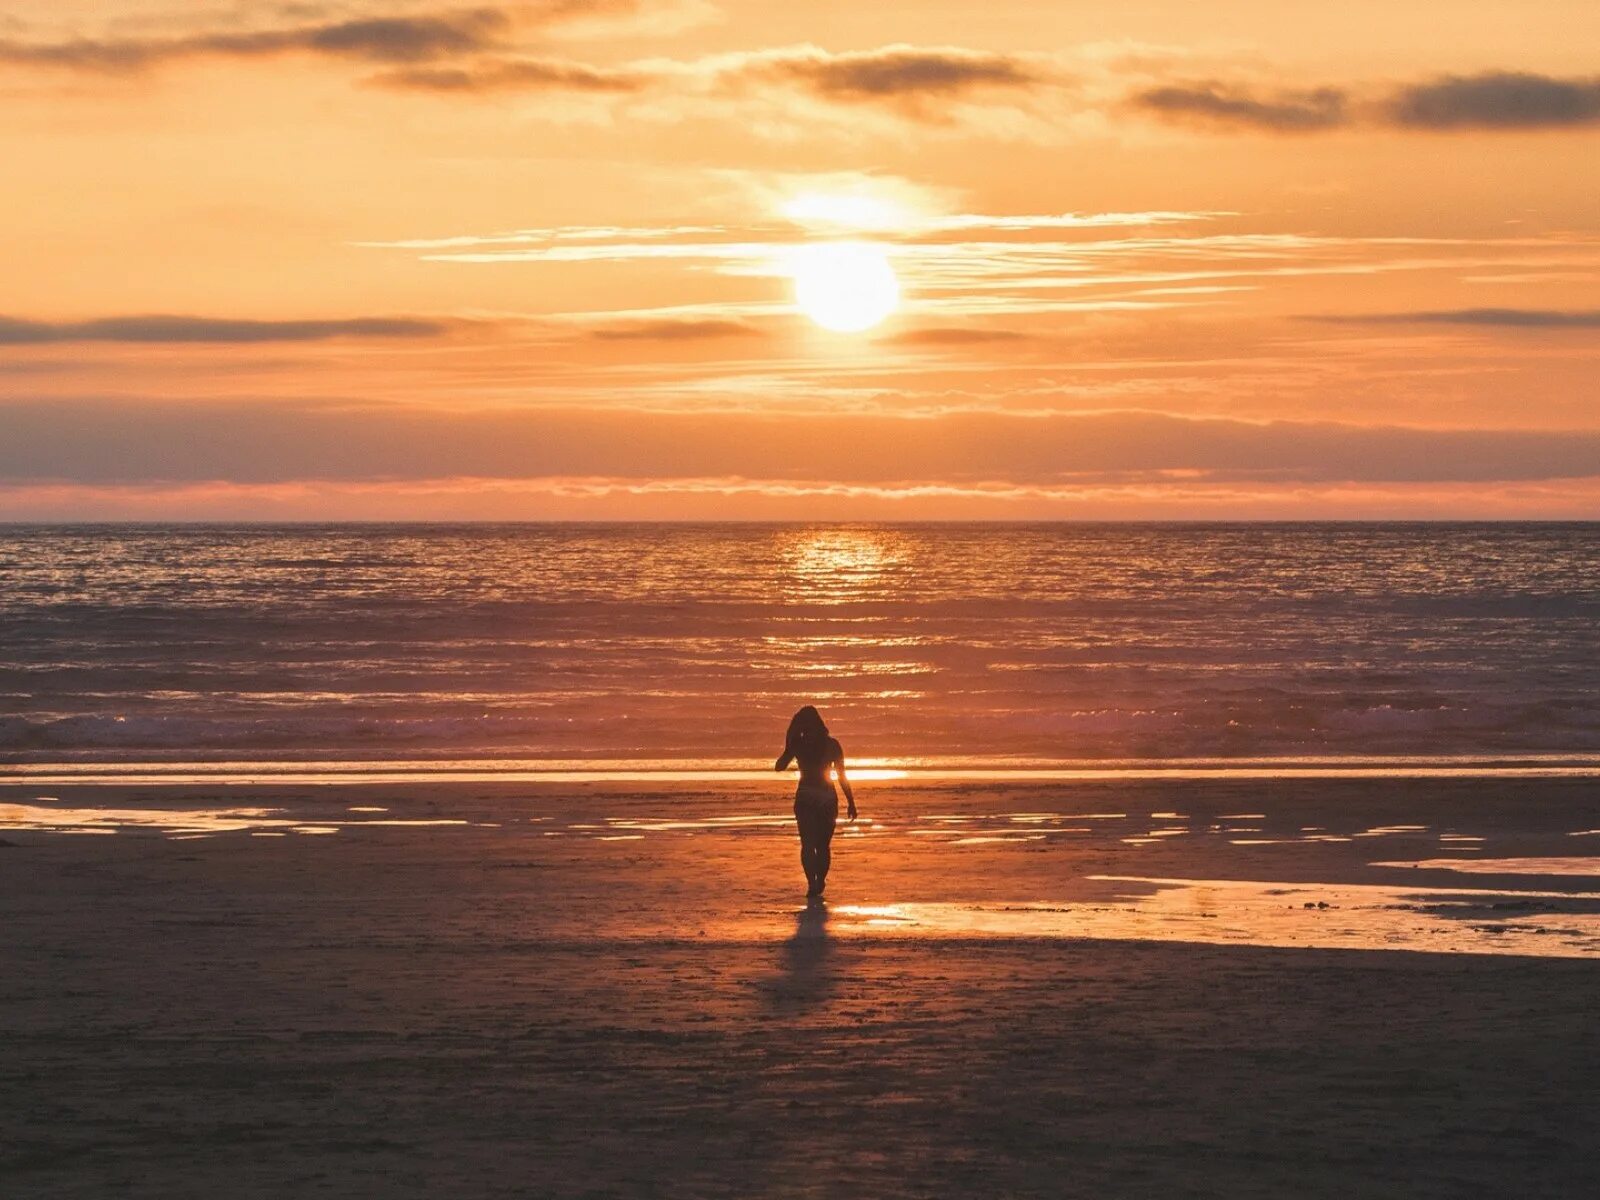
(512, 75)
(911, 228)
(1212, 103)
(1042, 264)
(958, 335)
(1502, 318)
(593, 498)
(15, 331)
(674, 331)
(1491, 101)
(897, 72)
(377, 39)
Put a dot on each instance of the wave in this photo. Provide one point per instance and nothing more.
(664, 727)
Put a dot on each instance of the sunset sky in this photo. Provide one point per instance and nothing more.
(1155, 259)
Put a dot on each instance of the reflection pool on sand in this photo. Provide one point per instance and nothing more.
(50, 816)
(1248, 912)
(1113, 863)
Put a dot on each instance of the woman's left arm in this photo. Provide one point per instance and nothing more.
(844, 782)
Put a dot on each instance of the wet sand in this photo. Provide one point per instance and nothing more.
(1113, 988)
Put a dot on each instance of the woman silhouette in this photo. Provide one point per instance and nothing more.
(816, 804)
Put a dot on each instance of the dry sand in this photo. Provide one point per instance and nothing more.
(597, 990)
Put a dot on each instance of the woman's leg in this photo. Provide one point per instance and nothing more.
(824, 844)
(808, 848)
(816, 818)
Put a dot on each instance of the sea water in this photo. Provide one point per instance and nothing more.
(957, 643)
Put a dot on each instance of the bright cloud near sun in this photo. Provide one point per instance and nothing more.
(848, 211)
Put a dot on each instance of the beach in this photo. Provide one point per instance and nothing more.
(1190, 985)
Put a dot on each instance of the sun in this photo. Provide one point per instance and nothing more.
(845, 287)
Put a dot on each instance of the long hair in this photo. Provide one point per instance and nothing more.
(806, 731)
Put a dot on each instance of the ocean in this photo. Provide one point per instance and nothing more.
(922, 644)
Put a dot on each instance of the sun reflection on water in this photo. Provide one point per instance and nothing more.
(837, 566)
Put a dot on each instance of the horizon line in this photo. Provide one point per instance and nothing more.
(307, 522)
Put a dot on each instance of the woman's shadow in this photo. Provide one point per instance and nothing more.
(805, 974)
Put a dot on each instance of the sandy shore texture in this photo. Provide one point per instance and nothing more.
(1108, 989)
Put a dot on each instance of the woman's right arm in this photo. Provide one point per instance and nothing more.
(784, 759)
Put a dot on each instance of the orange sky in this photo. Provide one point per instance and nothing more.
(1157, 259)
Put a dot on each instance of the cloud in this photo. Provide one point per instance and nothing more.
(177, 329)
(511, 74)
(1229, 105)
(958, 335)
(1506, 318)
(893, 72)
(1503, 100)
(900, 75)
(406, 39)
(1496, 100)
(127, 441)
(675, 331)
(911, 80)
(409, 39)
(472, 52)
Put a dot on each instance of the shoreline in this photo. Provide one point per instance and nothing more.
(315, 771)
(1470, 861)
